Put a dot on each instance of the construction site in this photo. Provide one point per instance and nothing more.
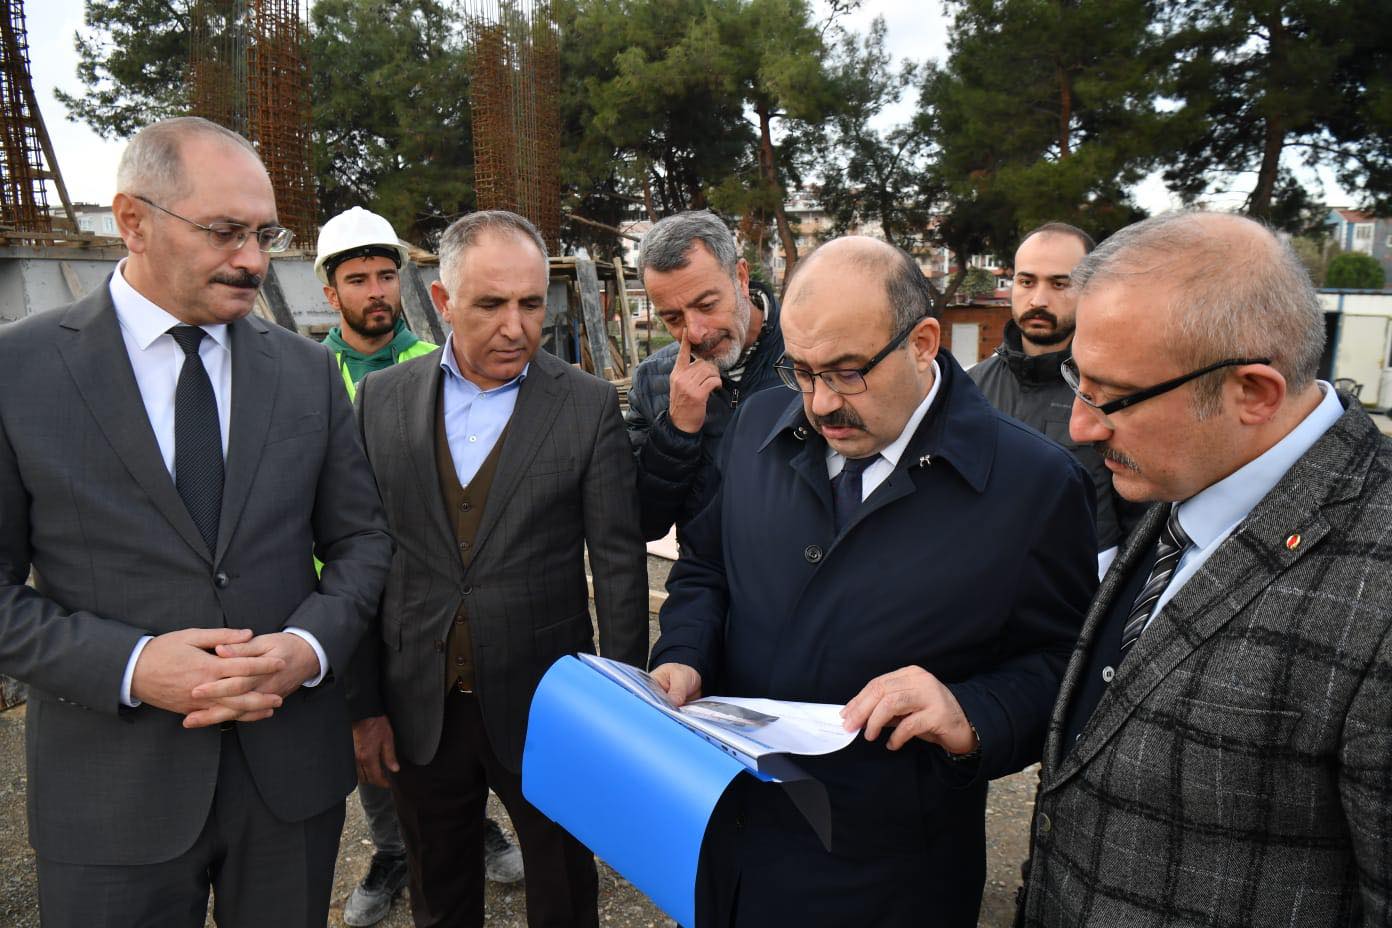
(248, 70)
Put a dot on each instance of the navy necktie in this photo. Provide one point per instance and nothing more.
(1169, 549)
(847, 488)
(197, 438)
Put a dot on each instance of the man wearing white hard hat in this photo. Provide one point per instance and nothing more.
(359, 263)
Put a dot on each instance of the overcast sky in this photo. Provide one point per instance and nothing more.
(915, 29)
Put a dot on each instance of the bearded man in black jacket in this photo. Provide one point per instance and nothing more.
(1022, 377)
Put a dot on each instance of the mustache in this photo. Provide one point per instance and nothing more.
(245, 280)
(843, 418)
(703, 348)
(1112, 454)
(1040, 314)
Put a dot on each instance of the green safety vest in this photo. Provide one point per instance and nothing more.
(415, 351)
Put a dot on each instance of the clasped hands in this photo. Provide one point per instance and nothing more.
(216, 675)
(911, 700)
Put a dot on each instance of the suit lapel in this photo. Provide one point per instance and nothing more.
(255, 380)
(1247, 562)
(97, 361)
(538, 403)
(1142, 540)
(417, 405)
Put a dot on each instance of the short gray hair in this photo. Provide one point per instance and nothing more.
(152, 164)
(1240, 292)
(668, 244)
(466, 231)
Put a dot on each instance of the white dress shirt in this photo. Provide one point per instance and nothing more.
(156, 360)
(878, 472)
(1210, 516)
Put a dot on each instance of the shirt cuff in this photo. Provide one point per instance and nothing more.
(126, 698)
(318, 652)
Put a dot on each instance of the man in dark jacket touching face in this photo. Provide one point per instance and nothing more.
(683, 396)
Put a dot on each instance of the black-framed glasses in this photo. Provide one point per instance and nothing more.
(846, 381)
(231, 236)
(1069, 370)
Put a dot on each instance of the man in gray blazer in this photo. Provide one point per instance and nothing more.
(1221, 749)
(500, 467)
(165, 465)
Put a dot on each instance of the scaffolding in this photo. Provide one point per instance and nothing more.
(217, 71)
(515, 83)
(249, 71)
(27, 161)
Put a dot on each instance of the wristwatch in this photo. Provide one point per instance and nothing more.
(973, 754)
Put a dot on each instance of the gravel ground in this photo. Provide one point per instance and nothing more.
(622, 906)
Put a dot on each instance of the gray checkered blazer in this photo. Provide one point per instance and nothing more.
(1238, 771)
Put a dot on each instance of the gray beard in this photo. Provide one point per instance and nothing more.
(730, 356)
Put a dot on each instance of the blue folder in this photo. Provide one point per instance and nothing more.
(633, 785)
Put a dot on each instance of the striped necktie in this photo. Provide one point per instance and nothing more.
(1170, 548)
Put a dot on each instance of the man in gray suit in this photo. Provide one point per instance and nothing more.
(499, 466)
(165, 465)
(1221, 749)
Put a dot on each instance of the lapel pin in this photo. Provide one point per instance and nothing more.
(1293, 541)
(801, 433)
(926, 461)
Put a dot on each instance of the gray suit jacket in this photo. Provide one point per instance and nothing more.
(564, 484)
(85, 499)
(1238, 770)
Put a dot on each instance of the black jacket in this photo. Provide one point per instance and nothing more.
(672, 485)
(1031, 389)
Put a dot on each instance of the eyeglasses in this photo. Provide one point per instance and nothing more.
(846, 381)
(231, 236)
(1069, 370)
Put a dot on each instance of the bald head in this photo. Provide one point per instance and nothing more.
(869, 262)
(1236, 290)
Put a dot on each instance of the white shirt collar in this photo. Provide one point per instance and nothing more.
(144, 319)
(895, 449)
(1213, 512)
(451, 366)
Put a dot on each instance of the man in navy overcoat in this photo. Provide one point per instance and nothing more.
(886, 540)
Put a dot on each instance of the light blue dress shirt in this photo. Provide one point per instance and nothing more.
(1211, 515)
(474, 418)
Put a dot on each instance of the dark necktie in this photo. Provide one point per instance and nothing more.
(846, 488)
(1169, 549)
(197, 438)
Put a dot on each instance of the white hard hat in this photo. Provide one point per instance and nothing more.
(356, 233)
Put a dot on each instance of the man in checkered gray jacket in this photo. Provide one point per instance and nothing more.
(1221, 749)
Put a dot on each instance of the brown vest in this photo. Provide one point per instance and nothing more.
(464, 512)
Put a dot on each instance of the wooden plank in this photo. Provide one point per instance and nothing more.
(71, 279)
(593, 315)
(419, 308)
(273, 299)
(630, 336)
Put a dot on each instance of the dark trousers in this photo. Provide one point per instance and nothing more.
(441, 808)
(264, 873)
